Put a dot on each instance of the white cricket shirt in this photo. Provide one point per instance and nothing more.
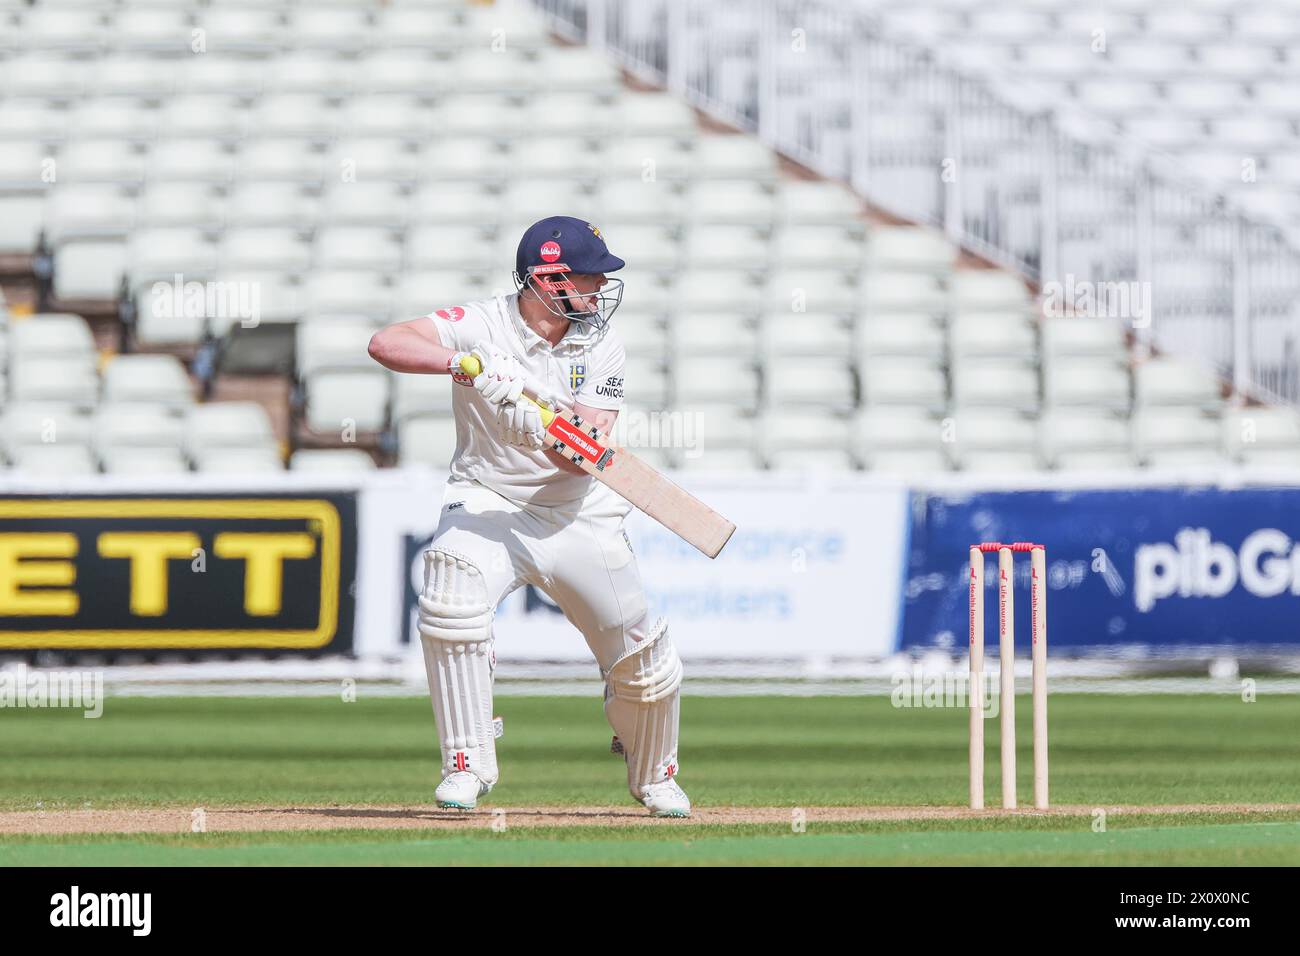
(585, 367)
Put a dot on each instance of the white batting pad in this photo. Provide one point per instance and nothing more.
(456, 631)
(642, 702)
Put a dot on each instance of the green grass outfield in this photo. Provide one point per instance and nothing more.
(745, 751)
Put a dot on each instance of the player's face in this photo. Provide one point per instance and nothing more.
(587, 286)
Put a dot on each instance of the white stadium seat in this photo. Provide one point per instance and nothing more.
(264, 247)
(710, 380)
(817, 203)
(909, 249)
(643, 332)
(450, 247)
(646, 381)
(153, 379)
(365, 248)
(461, 203)
(898, 293)
(340, 292)
(805, 440)
(427, 441)
(810, 290)
(406, 117)
(371, 159)
(645, 158)
(129, 427)
(190, 160)
(882, 334)
(818, 246)
(163, 253)
(331, 460)
(1084, 438)
(423, 28)
(881, 430)
(1171, 382)
(705, 291)
(729, 201)
(133, 75)
(1163, 436)
(238, 461)
(420, 395)
(347, 399)
(330, 28)
(100, 161)
(305, 115)
(291, 160)
(824, 382)
(994, 440)
(1006, 334)
(893, 381)
(995, 383)
(42, 74)
(1262, 437)
(153, 29)
(720, 460)
(43, 423)
(111, 118)
(216, 426)
(31, 119)
(52, 336)
(651, 114)
(87, 211)
(401, 71)
(68, 381)
(333, 344)
(89, 269)
(276, 203)
(53, 461)
(21, 221)
(220, 74)
(472, 158)
(637, 200)
(987, 290)
(725, 246)
(1078, 336)
(732, 157)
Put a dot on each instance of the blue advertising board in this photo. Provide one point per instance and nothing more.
(1162, 569)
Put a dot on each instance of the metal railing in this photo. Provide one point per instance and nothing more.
(827, 86)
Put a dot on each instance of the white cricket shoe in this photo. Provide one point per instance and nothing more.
(460, 791)
(666, 799)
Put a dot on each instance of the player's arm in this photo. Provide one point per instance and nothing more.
(602, 418)
(411, 347)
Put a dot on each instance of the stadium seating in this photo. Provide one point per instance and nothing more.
(360, 163)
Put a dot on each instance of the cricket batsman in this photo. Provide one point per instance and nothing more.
(515, 512)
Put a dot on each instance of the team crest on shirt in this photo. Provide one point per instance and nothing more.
(577, 374)
(454, 314)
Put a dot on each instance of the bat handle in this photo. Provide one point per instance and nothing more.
(471, 366)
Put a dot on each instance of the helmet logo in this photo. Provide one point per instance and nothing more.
(550, 251)
(595, 230)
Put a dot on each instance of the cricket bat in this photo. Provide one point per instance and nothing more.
(672, 506)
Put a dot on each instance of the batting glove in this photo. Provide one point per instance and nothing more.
(520, 425)
(502, 378)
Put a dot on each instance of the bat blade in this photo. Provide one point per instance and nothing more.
(662, 499)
